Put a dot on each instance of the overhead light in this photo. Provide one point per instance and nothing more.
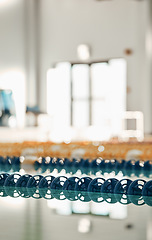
(83, 52)
(84, 225)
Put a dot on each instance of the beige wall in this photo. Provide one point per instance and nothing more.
(12, 43)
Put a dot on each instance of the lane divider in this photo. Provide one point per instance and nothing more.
(85, 189)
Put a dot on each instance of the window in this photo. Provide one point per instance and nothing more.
(88, 95)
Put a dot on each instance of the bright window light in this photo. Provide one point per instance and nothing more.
(61, 207)
(100, 80)
(109, 94)
(118, 211)
(100, 209)
(80, 93)
(12, 203)
(80, 83)
(91, 97)
(80, 120)
(58, 95)
(81, 207)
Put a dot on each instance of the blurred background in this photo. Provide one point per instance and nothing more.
(75, 70)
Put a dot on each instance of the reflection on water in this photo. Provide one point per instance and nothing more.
(28, 219)
(66, 207)
(38, 207)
